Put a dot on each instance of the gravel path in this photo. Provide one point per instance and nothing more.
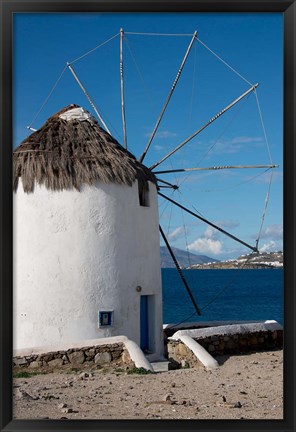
(243, 387)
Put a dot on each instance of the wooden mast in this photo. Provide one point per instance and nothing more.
(254, 249)
(215, 168)
(206, 125)
(122, 89)
(169, 97)
(179, 271)
(88, 96)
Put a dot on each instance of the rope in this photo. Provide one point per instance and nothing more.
(169, 96)
(270, 158)
(92, 50)
(234, 116)
(263, 126)
(191, 205)
(236, 185)
(166, 202)
(215, 297)
(224, 62)
(227, 285)
(159, 34)
(170, 218)
(193, 87)
(264, 211)
(47, 98)
(186, 239)
(181, 322)
(147, 90)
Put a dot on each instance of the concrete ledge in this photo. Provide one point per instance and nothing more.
(137, 355)
(63, 353)
(236, 338)
(201, 354)
(228, 330)
(71, 345)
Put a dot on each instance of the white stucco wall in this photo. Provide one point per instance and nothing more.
(76, 253)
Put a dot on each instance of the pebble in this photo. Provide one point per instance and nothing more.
(67, 410)
(83, 375)
(22, 394)
(62, 405)
(167, 398)
(237, 405)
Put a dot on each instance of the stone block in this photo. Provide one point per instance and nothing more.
(35, 364)
(103, 358)
(76, 357)
(221, 345)
(126, 357)
(243, 342)
(22, 361)
(55, 363)
(184, 364)
(182, 349)
(90, 352)
(253, 340)
(46, 357)
(230, 344)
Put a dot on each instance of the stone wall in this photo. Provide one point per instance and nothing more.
(225, 344)
(100, 355)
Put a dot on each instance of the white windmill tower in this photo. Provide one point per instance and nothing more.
(87, 260)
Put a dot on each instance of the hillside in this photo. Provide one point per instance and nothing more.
(251, 261)
(182, 258)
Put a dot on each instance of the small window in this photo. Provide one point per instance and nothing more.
(143, 196)
(105, 318)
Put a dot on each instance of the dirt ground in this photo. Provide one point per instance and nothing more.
(243, 387)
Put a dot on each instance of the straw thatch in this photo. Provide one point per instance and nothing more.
(68, 154)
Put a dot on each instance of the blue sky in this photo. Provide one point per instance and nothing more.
(251, 43)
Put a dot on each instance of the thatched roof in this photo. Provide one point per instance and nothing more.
(66, 154)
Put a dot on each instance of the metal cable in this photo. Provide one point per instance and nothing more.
(147, 90)
(265, 208)
(224, 62)
(263, 126)
(227, 285)
(92, 50)
(159, 34)
(231, 120)
(47, 98)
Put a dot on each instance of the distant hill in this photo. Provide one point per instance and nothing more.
(182, 258)
(262, 260)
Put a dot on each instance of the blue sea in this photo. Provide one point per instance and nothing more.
(223, 295)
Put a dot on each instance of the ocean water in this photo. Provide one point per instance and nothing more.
(244, 295)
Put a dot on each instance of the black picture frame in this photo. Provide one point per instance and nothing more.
(7, 9)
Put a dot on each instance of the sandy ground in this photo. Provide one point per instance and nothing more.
(243, 387)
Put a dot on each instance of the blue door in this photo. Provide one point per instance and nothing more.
(144, 333)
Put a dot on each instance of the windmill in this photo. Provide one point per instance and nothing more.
(52, 162)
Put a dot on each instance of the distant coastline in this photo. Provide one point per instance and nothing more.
(272, 260)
